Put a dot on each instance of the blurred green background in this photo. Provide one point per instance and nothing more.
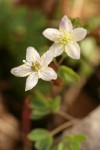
(21, 25)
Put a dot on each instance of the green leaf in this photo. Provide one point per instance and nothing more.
(76, 138)
(75, 141)
(67, 74)
(42, 138)
(39, 113)
(42, 106)
(38, 101)
(61, 146)
(39, 105)
(70, 142)
(79, 138)
(74, 146)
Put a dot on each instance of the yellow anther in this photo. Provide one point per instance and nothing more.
(65, 38)
(61, 44)
(32, 55)
(57, 36)
(61, 30)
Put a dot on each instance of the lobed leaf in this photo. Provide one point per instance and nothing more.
(42, 106)
(67, 74)
(42, 138)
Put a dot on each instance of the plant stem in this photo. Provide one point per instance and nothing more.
(61, 60)
(65, 115)
(62, 127)
(55, 62)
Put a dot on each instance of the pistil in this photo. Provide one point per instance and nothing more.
(35, 66)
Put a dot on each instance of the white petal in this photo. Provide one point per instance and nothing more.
(46, 58)
(48, 74)
(65, 24)
(56, 49)
(21, 71)
(73, 50)
(51, 33)
(32, 55)
(31, 81)
(79, 34)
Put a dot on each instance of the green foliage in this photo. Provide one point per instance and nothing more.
(43, 87)
(93, 22)
(42, 106)
(70, 142)
(42, 138)
(89, 47)
(67, 74)
(85, 68)
(76, 22)
(76, 138)
(61, 146)
(44, 141)
(75, 141)
(21, 28)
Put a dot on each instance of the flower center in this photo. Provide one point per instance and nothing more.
(65, 38)
(35, 66)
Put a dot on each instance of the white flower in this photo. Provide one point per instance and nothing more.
(35, 67)
(65, 38)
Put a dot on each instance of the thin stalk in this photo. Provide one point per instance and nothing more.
(61, 60)
(62, 127)
(55, 62)
(65, 115)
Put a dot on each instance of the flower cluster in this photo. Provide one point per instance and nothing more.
(65, 38)
(36, 67)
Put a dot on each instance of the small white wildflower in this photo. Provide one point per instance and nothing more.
(65, 38)
(35, 67)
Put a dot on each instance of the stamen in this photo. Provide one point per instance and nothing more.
(32, 55)
(35, 66)
(65, 38)
(25, 62)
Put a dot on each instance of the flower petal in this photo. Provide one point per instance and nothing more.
(56, 49)
(32, 55)
(31, 81)
(46, 58)
(48, 74)
(21, 71)
(65, 24)
(73, 50)
(51, 33)
(79, 34)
